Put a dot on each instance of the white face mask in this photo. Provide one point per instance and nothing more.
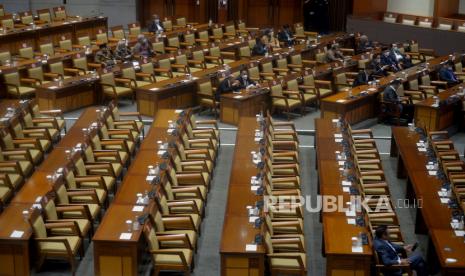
(244, 77)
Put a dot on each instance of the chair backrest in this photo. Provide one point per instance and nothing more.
(26, 52)
(84, 40)
(7, 22)
(181, 59)
(164, 63)
(2, 10)
(267, 67)
(102, 37)
(38, 225)
(158, 47)
(26, 17)
(251, 43)
(118, 32)
(173, 41)
(108, 78)
(134, 29)
(203, 35)
(425, 80)
(215, 51)
(320, 57)
(299, 30)
(12, 78)
(66, 44)
(4, 56)
(293, 85)
(57, 68)
(244, 51)
(254, 72)
(60, 13)
(231, 29)
(36, 73)
(168, 25)
(413, 84)
(296, 59)
(129, 73)
(282, 63)
(276, 90)
(80, 63)
(198, 55)
(47, 49)
(309, 80)
(341, 78)
(146, 68)
(181, 22)
(189, 38)
(44, 15)
(205, 88)
(218, 33)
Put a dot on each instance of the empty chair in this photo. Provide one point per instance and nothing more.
(285, 100)
(18, 87)
(44, 15)
(59, 13)
(116, 88)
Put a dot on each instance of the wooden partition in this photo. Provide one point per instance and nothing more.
(366, 7)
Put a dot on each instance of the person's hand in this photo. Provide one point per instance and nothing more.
(408, 248)
(404, 261)
(385, 67)
(235, 83)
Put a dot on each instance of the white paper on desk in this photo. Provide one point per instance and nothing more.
(138, 208)
(338, 140)
(357, 249)
(250, 247)
(230, 44)
(177, 111)
(422, 149)
(154, 89)
(16, 234)
(451, 260)
(125, 236)
(442, 194)
(53, 87)
(238, 97)
(346, 189)
(254, 188)
(338, 135)
(350, 213)
(150, 178)
(459, 233)
(195, 78)
(420, 145)
(161, 152)
(430, 167)
(170, 130)
(341, 101)
(252, 219)
(346, 183)
(257, 139)
(351, 221)
(432, 172)
(335, 120)
(341, 163)
(444, 200)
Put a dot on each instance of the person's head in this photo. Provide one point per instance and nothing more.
(386, 53)
(394, 46)
(396, 83)
(363, 38)
(156, 18)
(377, 57)
(449, 65)
(286, 27)
(140, 38)
(103, 46)
(244, 73)
(382, 232)
(335, 47)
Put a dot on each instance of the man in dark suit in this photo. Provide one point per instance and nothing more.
(260, 48)
(362, 78)
(155, 26)
(244, 80)
(364, 45)
(388, 254)
(390, 96)
(403, 61)
(379, 70)
(229, 84)
(446, 73)
(285, 35)
(386, 59)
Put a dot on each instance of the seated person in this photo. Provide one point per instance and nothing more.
(155, 25)
(122, 52)
(285, 36)
(364, 45)
(273, 42)
(229, 84)
(104, 56)
(446, 73)
(388, 254)
(244, 80)
(362, 78)
(142, 47)
(403, 61)
(390, 96)
(379, 69)
(389, 61)
(334, 54)
(260, 48)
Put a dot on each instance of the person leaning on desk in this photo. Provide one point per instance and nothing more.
(390, 96)
(229, 84)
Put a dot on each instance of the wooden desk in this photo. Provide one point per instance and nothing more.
(74, 93)
(362, 107)
(441, 117)
(237, 230)
(234, 106)
(113, 256)
(16, 253)
(53, 32)
(433, 218)
(337, 233)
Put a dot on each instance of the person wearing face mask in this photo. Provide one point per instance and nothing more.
(379, 69)
(389, 61)
(446, 73)
(156, 26)
(104, 56)
(403, 61)
(244, 80)
(229, 84)
(122, 52)
(285, 36)
(142, 47)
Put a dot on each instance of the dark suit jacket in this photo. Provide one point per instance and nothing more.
(259, 49)
(364, 46)
(153, 28)
(225, 87)
(377, 69)
(244, 84)
(388, 256)
(448, 75)
(390, 95)
(388, 60)
(285, 37)
(362, 78)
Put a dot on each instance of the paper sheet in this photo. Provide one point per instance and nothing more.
(351, 221)
(138, 208)
(16, 234)
(357, 249)
(125, 236)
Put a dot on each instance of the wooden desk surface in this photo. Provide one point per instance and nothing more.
(337, 242)
(436, 215)
(428, 102)
(12, 219)
(237, 230)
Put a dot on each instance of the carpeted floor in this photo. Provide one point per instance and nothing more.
(207, 260)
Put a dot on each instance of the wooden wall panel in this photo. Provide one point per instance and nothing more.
(258, 13)
(289, 11)
(363, 7)
(446, 8)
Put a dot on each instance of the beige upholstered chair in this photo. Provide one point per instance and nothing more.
(115, 88)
